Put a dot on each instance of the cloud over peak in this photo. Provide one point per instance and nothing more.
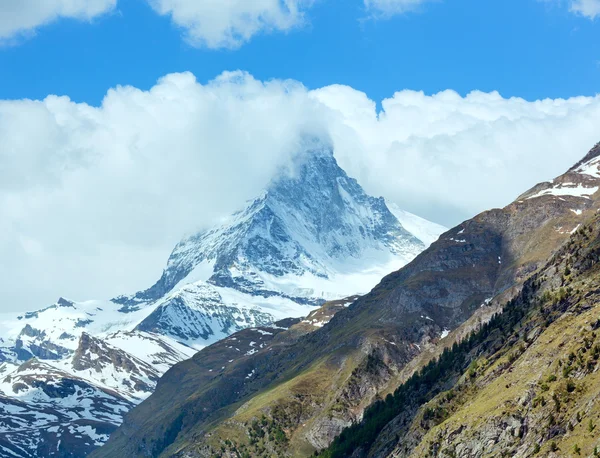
(93, 198)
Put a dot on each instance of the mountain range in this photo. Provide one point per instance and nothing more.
(484, 345)
(69, 372)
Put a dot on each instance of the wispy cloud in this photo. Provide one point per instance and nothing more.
(587, 8)
(231, 23)
(388, 8)
(22, 17)
(205, 23)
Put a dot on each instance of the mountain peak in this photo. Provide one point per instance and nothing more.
(62, 302)
(592, 154)
(578, 184)
(315, 172)
(319, 199)
(311, 223)
(311, 219)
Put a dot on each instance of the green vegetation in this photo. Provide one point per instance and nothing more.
(424, 403)
(426, 384)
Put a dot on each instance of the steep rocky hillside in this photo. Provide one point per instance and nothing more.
(294, 398)
(524, 384)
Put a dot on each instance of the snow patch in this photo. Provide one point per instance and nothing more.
(426, 231)
(590, 168)
(567, 189)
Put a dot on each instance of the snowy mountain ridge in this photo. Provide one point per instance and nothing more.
(313, 235)
(315, 224)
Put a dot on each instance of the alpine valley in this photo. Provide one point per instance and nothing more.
(485, 345)
(307, 246)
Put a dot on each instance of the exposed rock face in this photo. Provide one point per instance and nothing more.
(68, 407)
(308, 390)
(198, 312)
(525, 389)
(95, 355)
(33, 343)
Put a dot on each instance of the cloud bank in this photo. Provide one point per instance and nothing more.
(94, 198)
(23, 17)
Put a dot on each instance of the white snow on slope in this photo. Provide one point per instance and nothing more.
(426, 231)
(567, 189)
(590, 168)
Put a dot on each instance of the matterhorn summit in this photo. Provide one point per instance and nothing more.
(310, 236)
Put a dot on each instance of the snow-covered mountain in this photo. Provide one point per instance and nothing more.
(305, 238)
(311, 236)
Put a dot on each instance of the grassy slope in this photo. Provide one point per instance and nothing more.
(520, 387)
(550, 382)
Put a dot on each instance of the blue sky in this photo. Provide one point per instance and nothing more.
(527, 48)
(125, 124)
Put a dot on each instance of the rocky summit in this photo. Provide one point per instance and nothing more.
(484, 345)
(303, 239)
(72, 370)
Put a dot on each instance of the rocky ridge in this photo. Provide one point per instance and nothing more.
(525, 384)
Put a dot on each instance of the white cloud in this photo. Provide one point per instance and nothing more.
(231, 23)
(86, 190)
(393, 7)
(19, 17)
(448, 157)
(588, 8)
(93, 198)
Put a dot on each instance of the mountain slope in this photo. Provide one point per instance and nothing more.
(312, 235)
(49, 412)
(522, 385)
(309, 391)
